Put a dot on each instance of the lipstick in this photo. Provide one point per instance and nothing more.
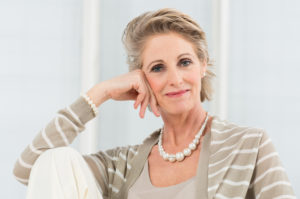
(176, 93)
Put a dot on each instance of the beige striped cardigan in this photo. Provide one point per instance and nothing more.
(242, 161)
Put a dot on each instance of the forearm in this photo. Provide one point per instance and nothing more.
(60, 131)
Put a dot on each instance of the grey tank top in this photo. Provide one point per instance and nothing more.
(194, 187)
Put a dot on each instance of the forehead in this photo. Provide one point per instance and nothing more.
(164, 45)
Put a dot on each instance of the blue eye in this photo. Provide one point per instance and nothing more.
(185, 62)
(157, 68)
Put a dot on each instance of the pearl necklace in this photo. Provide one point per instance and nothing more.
(186, 152)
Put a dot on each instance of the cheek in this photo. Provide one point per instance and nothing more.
(195, 78)
(155, 84)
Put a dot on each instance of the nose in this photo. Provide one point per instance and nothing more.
(174, 77)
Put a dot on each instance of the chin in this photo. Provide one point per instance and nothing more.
(178, 108)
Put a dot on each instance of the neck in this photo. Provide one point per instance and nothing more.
(180, 129)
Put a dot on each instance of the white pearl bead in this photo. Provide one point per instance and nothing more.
(161, 153)
(187, 152)
(195, 141)
(179, 156)
(165, 156)
(172, 158)
(192, 146)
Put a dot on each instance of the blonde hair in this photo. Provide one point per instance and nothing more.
(166, 20)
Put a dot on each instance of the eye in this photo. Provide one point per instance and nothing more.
(157, 68)
(185, 62)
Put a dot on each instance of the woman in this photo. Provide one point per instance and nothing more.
(194, 155)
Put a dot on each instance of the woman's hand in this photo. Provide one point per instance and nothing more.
(130, 86)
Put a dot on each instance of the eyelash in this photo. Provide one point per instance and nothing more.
(154, 68)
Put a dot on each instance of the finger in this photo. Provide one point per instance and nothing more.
(154, 107)
(141, 92)
(144, 106)
(153, 102)
(139, 99)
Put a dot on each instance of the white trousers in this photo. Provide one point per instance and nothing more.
(62, 173)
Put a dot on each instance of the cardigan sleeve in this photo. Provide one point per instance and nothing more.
(60, 131)
(269, 178)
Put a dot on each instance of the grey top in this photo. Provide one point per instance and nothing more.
(190, 188)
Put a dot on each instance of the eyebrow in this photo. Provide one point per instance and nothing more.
(160, 60)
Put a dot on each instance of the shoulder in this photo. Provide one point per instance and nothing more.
(126, 153)
(228, 134)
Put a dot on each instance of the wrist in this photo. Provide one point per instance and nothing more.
(90, 102)
(98, 94)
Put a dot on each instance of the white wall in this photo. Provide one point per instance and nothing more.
(39, 73)
(264, 74)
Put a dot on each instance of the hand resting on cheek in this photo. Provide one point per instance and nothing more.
(130, 86)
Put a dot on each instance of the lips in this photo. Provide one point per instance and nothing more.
(176, 93)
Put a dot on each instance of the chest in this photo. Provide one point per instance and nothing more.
(163, 173)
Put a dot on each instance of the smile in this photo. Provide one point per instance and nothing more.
(177, 93)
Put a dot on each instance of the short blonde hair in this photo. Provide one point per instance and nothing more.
(166, 20)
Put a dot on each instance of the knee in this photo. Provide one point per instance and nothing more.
(60, 151)
(62, 154)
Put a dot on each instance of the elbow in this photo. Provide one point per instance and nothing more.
(20, 173)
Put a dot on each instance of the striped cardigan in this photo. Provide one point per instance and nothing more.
(242, 160)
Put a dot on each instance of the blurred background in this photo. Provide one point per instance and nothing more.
(52, 50)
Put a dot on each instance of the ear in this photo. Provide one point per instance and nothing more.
(203, 68)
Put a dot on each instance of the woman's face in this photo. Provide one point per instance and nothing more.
(173, 71)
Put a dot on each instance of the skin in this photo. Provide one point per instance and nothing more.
(169, 64)
(178, 69)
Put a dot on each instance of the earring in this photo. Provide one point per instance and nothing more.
(204, 74)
